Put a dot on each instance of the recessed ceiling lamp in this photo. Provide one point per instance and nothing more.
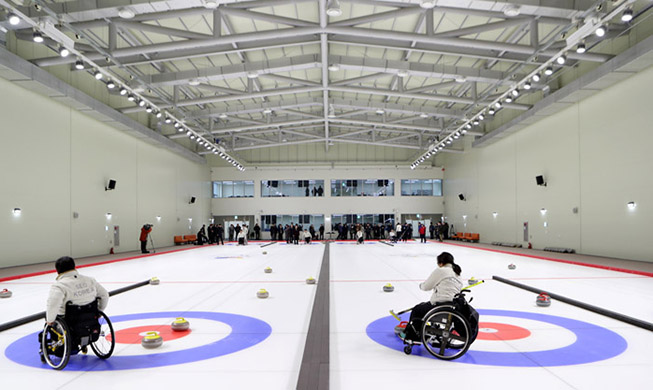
(511, 10)
(123, 91)
(333, 8)
(600, 31)
(561, 60)
(252, 75)
(210, 4)
(515, 92)
(222, 116)
(402, 73)
(141, 103)
(580, 49)
(37, 37)
(536, 77)
(194, 82)
(111, 84)
(497, 104)
(491, 111)
(79, 64)
(460, 79)
(481, 117)
(475, 122)
(169, 120)
(64, 52)
(131, 97)
(334, 67)
(98, 75)
(527, 85)
(627, 16)
(424, 115)
(126, 13)
(508, 99)
(267, 111)
(14, 19)
(158, 114)
(148, 109)
(177, 125)
(426, 4)
(380, 111)
(548, 71)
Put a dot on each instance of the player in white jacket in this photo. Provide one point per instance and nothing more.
(445, 281)
(74, 288)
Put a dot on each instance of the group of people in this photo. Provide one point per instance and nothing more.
(369, 231)
(293, 233)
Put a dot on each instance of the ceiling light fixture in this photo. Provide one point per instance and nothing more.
(460, 79)
(131, 97)
(63, 52)
(168, 120)
(380, 111)
(333, 8)
(527, 85)
(627, 16)
(148, 109)
(334, 67)
(561, 60)
(402, 73)
(126, 13)
(210, 4)
(158, 114)
(141, 103)
(222, 116)
(491, 111)
(511, 10)
(194, 82)
(98, 75)
(536, 77)
(580, 49)
(79, 65)
(252, 75)
(515, 92)
(111, 84)
(267, 111)
(423, 115)
(14, 19)
(548, 71)
(508, 99)
(481, 117)
(37, 37)
(600, 31)
(497, 104)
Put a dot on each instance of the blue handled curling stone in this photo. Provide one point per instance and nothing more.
(152, 340)
(180, 324)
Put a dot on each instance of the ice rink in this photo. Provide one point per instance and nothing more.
(239, 341)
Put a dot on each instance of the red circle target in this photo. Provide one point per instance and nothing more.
(501, 332)
(135, 335)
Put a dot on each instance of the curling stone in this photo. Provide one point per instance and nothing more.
(401, 327)
(512, 266)
(472, 280)
(543, 300)
(262, 293)
(388, 288)
(152, 340)
(265, 253)
(310, 280)
(154, 281)
(267, 270)
(5, 293)
(180, 324)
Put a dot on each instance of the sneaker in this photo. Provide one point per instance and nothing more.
(84, 350)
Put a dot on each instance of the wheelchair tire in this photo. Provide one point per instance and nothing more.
(446, 333)
(408, 349)
(56, 340)
(106, 342)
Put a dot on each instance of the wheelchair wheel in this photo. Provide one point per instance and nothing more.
(56, 344)
(106, 342)
(445, 333)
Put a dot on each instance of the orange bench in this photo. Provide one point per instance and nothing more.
(190, 238)
(458, 236)
(467, 237)
(179, 240)
(475, 237)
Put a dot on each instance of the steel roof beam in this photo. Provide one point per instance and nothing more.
(399, 108)
(286, 103)
(377, 17)
(160, 30)
(290, 80)
(242, 13)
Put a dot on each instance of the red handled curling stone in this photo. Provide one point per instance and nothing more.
(543, 300)
(5, 293)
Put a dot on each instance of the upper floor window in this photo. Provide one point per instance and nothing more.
(421, 187)
(363, 187)
(233, 189)
(284, 188)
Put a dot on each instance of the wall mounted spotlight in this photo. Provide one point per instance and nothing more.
(108, 215)
(494, 214)
(17, 211)
(111, 185)
(543, 211)
(631, 205)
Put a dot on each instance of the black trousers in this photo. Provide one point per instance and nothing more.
(144, 246)
(219, 239)
(414, 328)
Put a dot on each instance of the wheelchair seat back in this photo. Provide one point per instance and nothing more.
(83, 322)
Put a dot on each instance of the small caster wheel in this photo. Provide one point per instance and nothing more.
(408, 349)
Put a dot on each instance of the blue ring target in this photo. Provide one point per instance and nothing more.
(245, 332)
(593, 343)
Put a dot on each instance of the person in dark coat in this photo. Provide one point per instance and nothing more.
(232, 230)
(273, 232)
(201, 235)
(219, 232)
(432, 231)
(257, 232)
(446, 230)
(321, 232)
(320, 191)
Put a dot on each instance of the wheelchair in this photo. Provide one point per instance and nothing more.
(80, 327)
(448, 330)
